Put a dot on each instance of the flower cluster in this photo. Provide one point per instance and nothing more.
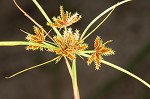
(65, 19)
(69, 44)
(37, 38)
(100, 50)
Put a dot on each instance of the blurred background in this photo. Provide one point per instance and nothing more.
(128, 27)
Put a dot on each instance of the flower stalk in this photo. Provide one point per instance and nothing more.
(31, 68)
(45, 16)
(126, 72)
(75, 82)
(24, 43)
(102, 14)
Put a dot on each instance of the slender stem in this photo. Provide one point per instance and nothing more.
(19, 43)
(98, 25)
(27, 14)
(46, 16)
(75, 83)
(68, 66)
(126, 72)
(122, 70)
(31, 68)
(87, 51)
(84, 54)
(49, 45)
(16, 43)
(71, 75)
(100, 15)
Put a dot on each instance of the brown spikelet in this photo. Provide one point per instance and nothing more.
(91, 58)
(65, 19)
(69, 45)
(100, 50)
(37, 38)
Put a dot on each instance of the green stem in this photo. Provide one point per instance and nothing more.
(102, 14)
(122, 70)
(75, 83)
(84, 54)
(87, 51)
(49, 45)
(126, 72)
(69, 67)
(46, 16)
(19, 43)
(72, 72)
(42, 64)
(98, 25)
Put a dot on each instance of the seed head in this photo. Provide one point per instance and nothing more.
(65, 19)
(37, 38)
(100, 50)
(69, 45)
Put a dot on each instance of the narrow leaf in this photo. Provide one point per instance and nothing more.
(126, 72)
(31, 68)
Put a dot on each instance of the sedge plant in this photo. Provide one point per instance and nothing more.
(68, 44)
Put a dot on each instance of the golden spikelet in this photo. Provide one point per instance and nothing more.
(37, 38)
(100, 50)
(68, 45)
(65, 19)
